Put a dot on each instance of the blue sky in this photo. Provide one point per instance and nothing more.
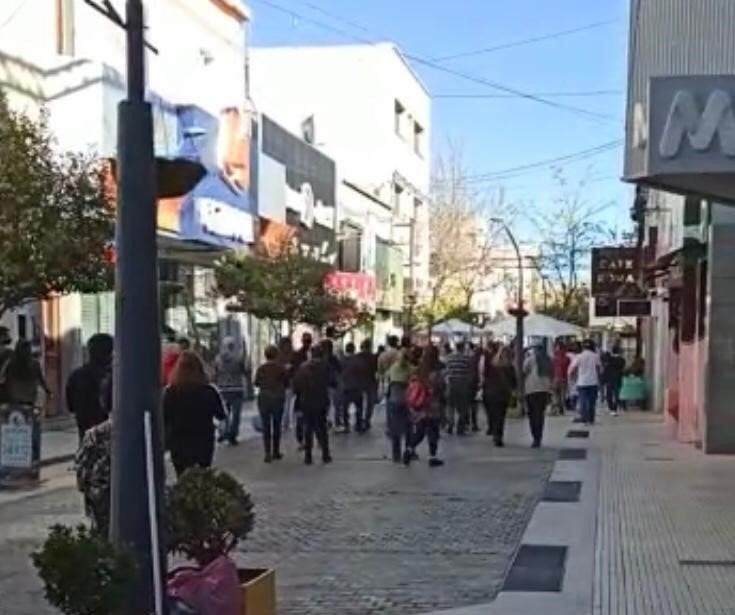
(496, 134)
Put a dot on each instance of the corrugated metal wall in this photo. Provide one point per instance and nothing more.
(675, 37)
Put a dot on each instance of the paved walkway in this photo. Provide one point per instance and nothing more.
(357, 537)
(666, 531)
(653, 532)
(663, 520)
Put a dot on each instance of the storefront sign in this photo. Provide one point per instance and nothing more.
(219, 210)
(683, 137)
(612, 268)
(358, 286)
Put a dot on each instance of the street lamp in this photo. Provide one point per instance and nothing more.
(519, 312)
(137, 446)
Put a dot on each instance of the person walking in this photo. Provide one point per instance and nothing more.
(561, 363)
(335, 386)
(299, 358)
(355, 382)
(458, 374)
(425, 397)
(397, 409)
(498, 381)
(475, 359)
(586, 369)
(271, 380)
(285, 358)
(370, 382)
(388, 356)
(229, 374)
(85, 388)
(613, 377)
(190, 407)
(312, 383)
(538, 371)
(23, 376)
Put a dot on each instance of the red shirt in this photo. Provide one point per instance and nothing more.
(168, 360)
(561, 363)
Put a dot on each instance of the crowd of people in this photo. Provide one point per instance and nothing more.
(583, 376)
(428, 391)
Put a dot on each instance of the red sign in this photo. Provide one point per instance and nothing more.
(359, 286)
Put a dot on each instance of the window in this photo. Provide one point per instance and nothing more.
(65, 27)
(399, 112)
(418, 138)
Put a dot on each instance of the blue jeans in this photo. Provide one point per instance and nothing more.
(233, 402)
(270, 408)
(587, 403)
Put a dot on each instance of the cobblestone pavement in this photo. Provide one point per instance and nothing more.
(359, 536)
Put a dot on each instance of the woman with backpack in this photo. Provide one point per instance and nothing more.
(498, 383)
(539, 372)
(425, 398)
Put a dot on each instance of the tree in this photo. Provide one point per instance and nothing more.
(568, 230)
(287, 287)
(56, 220)
(461, 240)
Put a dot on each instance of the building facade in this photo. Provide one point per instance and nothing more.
(67, 58)
(679, 148)
(364, 107)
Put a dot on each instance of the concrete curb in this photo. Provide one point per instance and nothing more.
(56, 460)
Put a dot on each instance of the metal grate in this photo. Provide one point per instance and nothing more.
(578, 433)
(572, 453)
(537, 568)
(562, 491)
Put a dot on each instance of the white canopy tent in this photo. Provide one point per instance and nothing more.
(536, 325)
(454, 327)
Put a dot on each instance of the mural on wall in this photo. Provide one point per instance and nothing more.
(220, 209)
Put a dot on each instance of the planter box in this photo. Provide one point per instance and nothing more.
(258, 591)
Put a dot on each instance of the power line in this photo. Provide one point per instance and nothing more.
(426, 62)
(13, 13)
(527, 41)
(580, 94)
(515, 171)
(508, 90)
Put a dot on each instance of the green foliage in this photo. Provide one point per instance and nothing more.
(83, 573)
(209, 512)
(288, 287)
(55, 217)
(575, 310)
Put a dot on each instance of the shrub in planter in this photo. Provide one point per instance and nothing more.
(209, 512)
(83, 573)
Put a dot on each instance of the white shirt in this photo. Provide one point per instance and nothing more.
(587, 367)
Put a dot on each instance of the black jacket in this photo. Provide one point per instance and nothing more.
(311, 385)
(87, 395)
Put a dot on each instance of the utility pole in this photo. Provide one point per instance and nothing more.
(520, 313)
(411, 275)
(137, 334)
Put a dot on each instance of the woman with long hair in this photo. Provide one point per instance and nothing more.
(539, 372)
(190, 407)
(498, 383)
(22, 375)
(426, 418)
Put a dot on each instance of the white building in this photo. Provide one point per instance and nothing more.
(70, 59)
(367, 110)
